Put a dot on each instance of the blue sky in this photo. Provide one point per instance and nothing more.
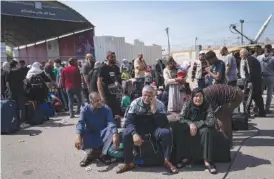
(146, 21)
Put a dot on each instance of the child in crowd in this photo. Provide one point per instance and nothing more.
(125, 74)
(125, 102)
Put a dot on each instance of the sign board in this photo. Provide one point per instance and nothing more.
(84, 43)
(3, 52)
(39, 9)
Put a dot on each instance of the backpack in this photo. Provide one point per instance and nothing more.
(37, 82)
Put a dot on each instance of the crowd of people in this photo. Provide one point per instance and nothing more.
(144, 96)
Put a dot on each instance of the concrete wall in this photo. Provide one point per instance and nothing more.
(183, 55)
(102, 44)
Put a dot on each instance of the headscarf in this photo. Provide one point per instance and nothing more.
(6, 66)
(185, 66)
(35, 70)
(97, 64)
(196, 110)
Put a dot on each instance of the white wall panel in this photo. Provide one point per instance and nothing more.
(53, 49)
(125, 50)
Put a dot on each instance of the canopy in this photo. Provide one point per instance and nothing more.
(27, 22)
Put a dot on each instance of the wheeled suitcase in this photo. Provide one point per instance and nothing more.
(221, 148)
(39, 116)
(10, 122)
(30, 107)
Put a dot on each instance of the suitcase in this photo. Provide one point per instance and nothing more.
(30, 107)
(39, 116)
(10, 122)
(239, 121)
(221, 148)
(48, 108)
(149, 153)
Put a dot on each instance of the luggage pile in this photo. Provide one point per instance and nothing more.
(34, 114)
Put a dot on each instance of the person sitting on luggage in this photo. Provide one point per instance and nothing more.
(195, 141)
(146, 115)
(96, 130)
(224, 99)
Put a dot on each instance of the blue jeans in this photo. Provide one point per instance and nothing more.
(71, 92)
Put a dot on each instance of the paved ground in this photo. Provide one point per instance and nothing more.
(47, 152)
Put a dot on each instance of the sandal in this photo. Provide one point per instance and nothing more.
(86, 161)
(125, 168)
(105, 159)
(171, 168)
(211, 168)
(183, 163)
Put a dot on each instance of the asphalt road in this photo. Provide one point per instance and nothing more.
(47, 152)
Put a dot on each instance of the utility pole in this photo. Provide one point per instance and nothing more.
(242, 37)
(168, 42)
(195, 43)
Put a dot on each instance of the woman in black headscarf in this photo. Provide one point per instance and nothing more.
(193, 133)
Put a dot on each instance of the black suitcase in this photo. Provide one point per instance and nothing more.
(38, 117)
(239, 121)
(30, 107)
(221, 148)
(10, 122)
(149, 153)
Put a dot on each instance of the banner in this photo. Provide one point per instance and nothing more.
(39, 9)
(84, 44)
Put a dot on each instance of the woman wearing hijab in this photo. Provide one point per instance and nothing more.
(4, 72)
(193, 133)
(37, 94)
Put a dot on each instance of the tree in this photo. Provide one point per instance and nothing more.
(9, 55)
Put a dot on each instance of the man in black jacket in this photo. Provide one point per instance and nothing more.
(159, 68)
(253, 75)
(146, 115)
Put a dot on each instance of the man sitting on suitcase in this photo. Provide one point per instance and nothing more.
(224, 99)
(96, 130)
(146, 115)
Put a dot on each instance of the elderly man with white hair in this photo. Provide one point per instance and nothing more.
(146, 116)
(251, 72)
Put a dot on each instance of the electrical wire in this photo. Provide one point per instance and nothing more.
(238, 150)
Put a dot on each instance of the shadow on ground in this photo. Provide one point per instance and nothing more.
(26, 128)
(265, 138)
(243, 162)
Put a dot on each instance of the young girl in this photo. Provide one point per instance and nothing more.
(125, 74)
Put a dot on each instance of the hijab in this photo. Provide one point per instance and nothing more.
(35, 70)
(196, 110)
(6, 66)
(97, 64)
(185, 66)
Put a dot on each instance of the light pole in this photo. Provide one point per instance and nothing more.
(242, 37)
(168, 42)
